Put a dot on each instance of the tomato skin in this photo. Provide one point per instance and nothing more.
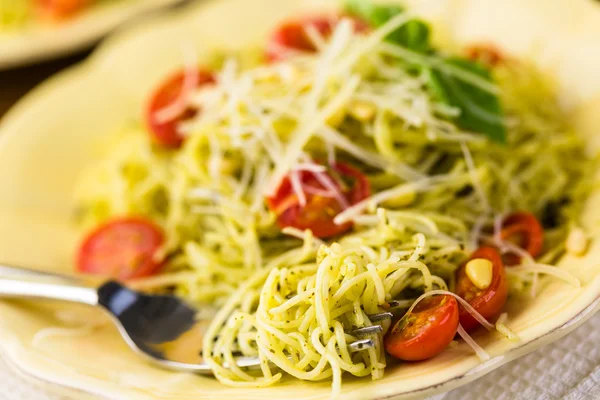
(426, 332)
(486, 53)
(60, 9)
(319, 221)
(319, 211)
(488, 302)
(123, 249)
(291, 35)
(526, 227)
(165, 133)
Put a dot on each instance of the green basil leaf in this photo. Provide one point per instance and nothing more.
(481, 111)
(413, 35)
(374, 15)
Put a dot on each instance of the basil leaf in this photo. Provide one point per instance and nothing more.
(480, 110)
(413, 35)
(374, 15)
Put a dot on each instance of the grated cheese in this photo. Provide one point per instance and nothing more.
(481, 353)
(190, 82)
(545, 269)
(468, 307)
(398, 191)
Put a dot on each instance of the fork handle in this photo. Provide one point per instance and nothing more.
(27, 283)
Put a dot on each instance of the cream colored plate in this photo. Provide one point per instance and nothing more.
(36, 42)
(49, 137)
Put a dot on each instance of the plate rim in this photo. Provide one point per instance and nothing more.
(38, 43)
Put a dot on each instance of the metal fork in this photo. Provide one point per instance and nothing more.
(161, 328)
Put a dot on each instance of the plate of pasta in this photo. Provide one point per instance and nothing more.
(34, 30)
(299, 167)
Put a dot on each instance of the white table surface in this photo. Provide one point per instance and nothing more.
(567, 369)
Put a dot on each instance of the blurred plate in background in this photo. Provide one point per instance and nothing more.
(36, 41)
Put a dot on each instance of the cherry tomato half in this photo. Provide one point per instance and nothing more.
(165, 132)
(488, 302)
(320, 209)
(292, 35)
(426, 331)
(123, 249)
(487, 54)
(526, 231)
(59, 9)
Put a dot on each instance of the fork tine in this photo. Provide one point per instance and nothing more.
(361, 345)
(247, 363)
(380, 316)
(393, 304)
(367, 330)
(399, 304)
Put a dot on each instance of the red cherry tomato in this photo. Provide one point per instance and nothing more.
(486, 53)
(292, 35)
(59, 9)
(165, 132)
(320, 209)
(426, 331)
(488, 302)
(526, 231)
(123, 249)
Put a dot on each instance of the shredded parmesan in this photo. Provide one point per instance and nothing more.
(462, 302)
(481, 353)
(295, 180)
(475, 177)
(190, 82)
(545, 269)
(503, 329)
(372, 202)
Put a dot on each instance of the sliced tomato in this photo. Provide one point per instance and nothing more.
(60, 9)
(488, 302)
(426, 331)
(486, 53)
(525, 230)
(292, 35)
(123, 249)
(321, 207)
(165, 133)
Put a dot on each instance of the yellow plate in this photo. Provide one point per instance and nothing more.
(50, 136)
(35, 42)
